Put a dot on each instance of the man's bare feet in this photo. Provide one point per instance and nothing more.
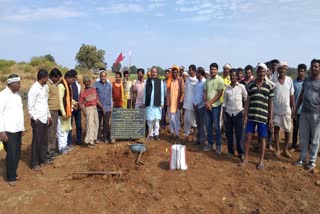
(243, 163)
(260, 166)
(277, 153)
(287, 154)
(270, 148)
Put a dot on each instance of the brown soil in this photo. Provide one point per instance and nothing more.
(212, 184)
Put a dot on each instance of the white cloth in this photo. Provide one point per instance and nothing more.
(11, 112)
(79, 88)
(233, 98)
(174, 122)
(13, 79)
(38, 102)
(189, 121)
(189, 91)
(282, 93)
(153, 112)
(154, 130)
(283, 121)
(62, 136)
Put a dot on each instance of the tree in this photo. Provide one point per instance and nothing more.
(115, 69)
(133, 69)
(89, 57)
(160, 71)
(49, 57)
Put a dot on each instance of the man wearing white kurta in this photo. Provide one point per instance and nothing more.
(189, 91)
(154, 100)
(11, 126)
(65, 112)
(283, 108)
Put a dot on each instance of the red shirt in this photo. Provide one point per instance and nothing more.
(88, 97)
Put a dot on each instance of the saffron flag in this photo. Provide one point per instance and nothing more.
(119, 58)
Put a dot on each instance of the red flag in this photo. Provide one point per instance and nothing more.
(119, 58)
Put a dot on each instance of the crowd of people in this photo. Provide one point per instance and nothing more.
(236, 104)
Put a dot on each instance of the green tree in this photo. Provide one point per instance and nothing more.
(89, 57)
(115, 68)
(160, 71)
(133, 69)
(50, 58)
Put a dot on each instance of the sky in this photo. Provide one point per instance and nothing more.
(163, 32)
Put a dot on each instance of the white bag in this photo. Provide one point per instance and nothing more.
(178, 157)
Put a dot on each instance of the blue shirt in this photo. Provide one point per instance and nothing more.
(198, 94)
(297, 85)
(104, 91)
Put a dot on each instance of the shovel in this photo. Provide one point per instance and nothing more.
(138, 161)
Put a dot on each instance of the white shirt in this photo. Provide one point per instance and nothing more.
(233, 98)
(282, 93)
(11, 112)
(38, 102)
(189, 91)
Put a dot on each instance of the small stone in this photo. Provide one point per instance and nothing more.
(68, 189)
(318, 182)
(315, 171)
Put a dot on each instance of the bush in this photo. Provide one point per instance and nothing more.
(5, 64)
(47, 65)
(27, 68)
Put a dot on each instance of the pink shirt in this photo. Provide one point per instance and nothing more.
(139, 88)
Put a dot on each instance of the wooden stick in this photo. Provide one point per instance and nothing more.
(99, 173)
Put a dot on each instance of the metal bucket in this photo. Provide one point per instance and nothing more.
(137, 148)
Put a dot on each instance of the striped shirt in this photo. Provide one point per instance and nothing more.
(259, 101)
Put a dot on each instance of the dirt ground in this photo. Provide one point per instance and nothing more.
(212, 184)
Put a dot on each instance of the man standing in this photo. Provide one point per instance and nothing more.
(138, 90)
(11, 126)
(40, 119)
(118, 92)
(283, 108)
(258, 112)
(189, 114)
(248, 77)
(76, 112)
(235, 96)
(297, 85)
(164, 110)
(65, 111)
(154, 100)
(274, 70)
(310, 116)
(199, 106)
(104, 91)
(54, 106)
(127, 85)
(175, 94)
(213, 90)
(226, 80)
(88, 103)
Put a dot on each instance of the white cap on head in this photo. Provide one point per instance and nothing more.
(262, 65)
(283, 64)
(207, 72)
(185, 73)
(227, 66)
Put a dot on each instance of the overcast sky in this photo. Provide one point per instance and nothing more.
(163, 32)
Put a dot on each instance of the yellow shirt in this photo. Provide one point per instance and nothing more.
(227, 82)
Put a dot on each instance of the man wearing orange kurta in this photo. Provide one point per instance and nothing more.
(175, 95)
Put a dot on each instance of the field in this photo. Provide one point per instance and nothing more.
(212, 184)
